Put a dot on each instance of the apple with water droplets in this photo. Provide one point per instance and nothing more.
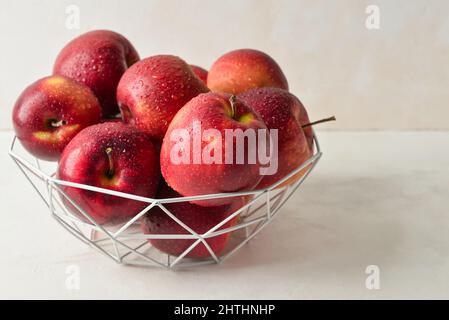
(114, 156)
(284, 112)
(98, 59)
(202, 153)
(152, 91)
(50, 112)
(240, 70)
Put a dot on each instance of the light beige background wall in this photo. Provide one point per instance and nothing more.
(396, 77)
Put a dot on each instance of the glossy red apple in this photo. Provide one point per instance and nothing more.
(154, 89)
(97, 59)
(113, 156)
(200, 72)
(283, 111)
(199, 219)
(50, 112)
(193, 162)
(240, 70)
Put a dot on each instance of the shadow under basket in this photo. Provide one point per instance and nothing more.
(128, 244)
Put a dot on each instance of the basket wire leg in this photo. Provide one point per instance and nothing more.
(38, 164)
(243, 217)
(251, 212)
(117, 252)
(277, 200)
(93, 234)
(246, 232)
(268, 205)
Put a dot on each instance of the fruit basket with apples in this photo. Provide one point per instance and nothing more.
(155, 162)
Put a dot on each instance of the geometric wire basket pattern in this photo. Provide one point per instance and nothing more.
(127, 244)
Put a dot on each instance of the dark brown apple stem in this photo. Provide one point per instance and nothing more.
(318, 121)
(232, 100)
(56, 124)
(110, 171)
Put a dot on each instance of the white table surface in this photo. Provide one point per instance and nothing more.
(375, 198)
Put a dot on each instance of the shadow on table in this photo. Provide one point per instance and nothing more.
(335, 224)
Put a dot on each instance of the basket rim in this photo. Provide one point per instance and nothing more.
(52, 179)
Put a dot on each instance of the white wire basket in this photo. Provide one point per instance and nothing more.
(128, 244)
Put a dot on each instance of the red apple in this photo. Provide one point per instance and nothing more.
(283, 111)
(194, 162)
(113, 156)
(199, 219)
(97, 59)
(50, 112)
(240, 70)
(154, 89)
(200, 72)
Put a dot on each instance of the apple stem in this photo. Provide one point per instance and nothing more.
(56, 124)
(318, 121)
(232, 100)
(110, 172)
